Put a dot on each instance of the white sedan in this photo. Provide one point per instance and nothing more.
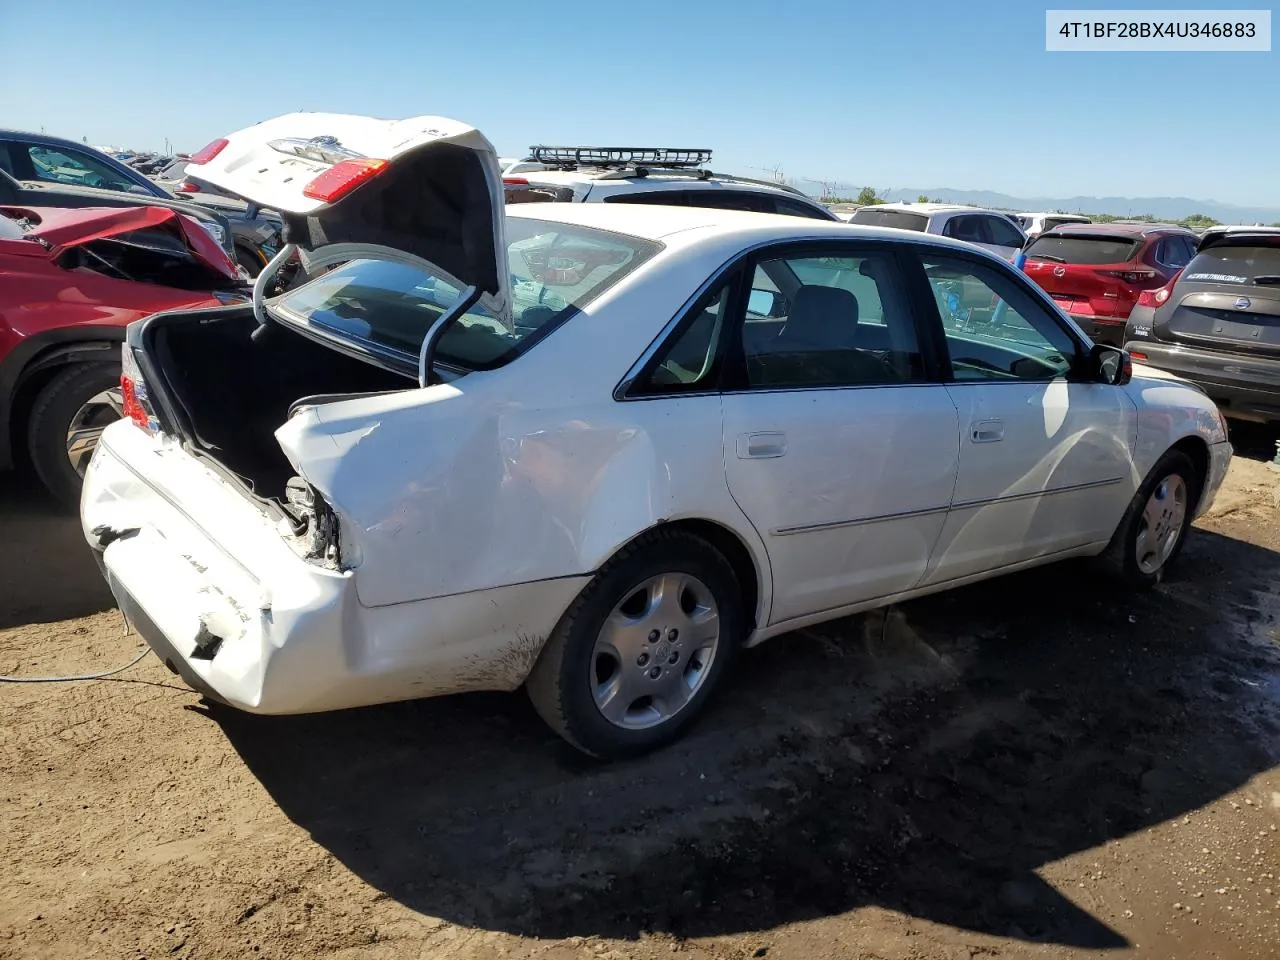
(596, 449)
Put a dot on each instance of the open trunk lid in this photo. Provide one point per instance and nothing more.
(1228, 297)
(430, 187)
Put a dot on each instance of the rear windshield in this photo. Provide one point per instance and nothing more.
(1062, 249)
(522, 191)
(902, 219)
(556, 270)
(1051, 222)
(1236, 263)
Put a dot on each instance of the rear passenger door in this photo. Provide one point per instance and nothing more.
(840, 444)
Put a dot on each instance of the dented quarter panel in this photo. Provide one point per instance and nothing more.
(465, 486)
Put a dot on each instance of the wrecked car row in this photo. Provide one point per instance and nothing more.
(594, 449)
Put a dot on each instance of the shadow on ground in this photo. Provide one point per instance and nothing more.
(926, 761)
(47, 571)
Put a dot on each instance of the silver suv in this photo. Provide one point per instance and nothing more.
(660, 175)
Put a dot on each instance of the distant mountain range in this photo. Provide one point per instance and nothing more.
(1162, 208)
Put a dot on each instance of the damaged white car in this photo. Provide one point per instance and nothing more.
(595, 449)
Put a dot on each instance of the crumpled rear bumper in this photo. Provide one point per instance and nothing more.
(218, 593)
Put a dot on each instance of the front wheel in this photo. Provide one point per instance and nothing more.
(1154, 527)
(641, 650)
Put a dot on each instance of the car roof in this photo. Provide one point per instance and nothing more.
(676, 226)
(929, 209)
(45, 139)
(1127, 231)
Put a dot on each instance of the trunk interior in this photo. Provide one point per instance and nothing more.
(235, 389)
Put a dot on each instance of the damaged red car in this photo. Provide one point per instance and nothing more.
(70, 282)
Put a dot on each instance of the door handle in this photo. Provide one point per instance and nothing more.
(761, 446)
(987, 431)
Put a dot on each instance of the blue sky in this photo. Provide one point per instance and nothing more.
(891, 94)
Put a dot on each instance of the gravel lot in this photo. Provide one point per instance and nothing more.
(1033, 767)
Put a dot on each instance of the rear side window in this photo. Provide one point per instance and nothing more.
(1241, 263)
(1078, 249)
(969, 228)
(1172, 252)
(899, 219)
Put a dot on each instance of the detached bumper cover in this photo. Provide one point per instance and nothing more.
(219, 594)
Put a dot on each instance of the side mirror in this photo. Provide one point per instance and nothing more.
(1112, 365)
(766, 303)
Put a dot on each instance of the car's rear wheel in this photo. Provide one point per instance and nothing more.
(1150, 536)
(66, 421)
(641, 650)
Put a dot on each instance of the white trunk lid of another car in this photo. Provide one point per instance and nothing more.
(428, 186)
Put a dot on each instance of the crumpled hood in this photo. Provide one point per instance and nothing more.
(58, 230)
(427, 186)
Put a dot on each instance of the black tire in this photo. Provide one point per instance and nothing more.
(251, 262)
(51, 416)
(1121, 557)
(560, 684)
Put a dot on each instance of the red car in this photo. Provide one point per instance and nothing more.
(1097, 271)
(72, 281)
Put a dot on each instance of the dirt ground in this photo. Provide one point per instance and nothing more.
(1033, 767)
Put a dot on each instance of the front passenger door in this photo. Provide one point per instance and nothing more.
(1045, 455)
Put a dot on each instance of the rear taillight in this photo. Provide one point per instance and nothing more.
(1158, 296)
(1138, 355)
(209, 151)
(134, 391)
(186, 186)
(1130, 276)
(342, 178)
(514, 182)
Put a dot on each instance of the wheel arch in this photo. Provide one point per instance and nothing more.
(29, 366)
(1197, 451)
(748, 569)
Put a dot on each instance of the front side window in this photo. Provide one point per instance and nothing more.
(556, 270)
(78, 169)
(829, 322)
(994, 329)
(1002, 232)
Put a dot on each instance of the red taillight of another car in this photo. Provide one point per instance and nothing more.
(1131, 276)
(1159, 295)
(186, 186)
(209, 151)
(134, 391)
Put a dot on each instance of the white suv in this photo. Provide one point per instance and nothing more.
(988, 229)
(1037, 223)
(657, 175)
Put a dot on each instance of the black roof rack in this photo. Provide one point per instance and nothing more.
(623, 163)
(619, 157)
